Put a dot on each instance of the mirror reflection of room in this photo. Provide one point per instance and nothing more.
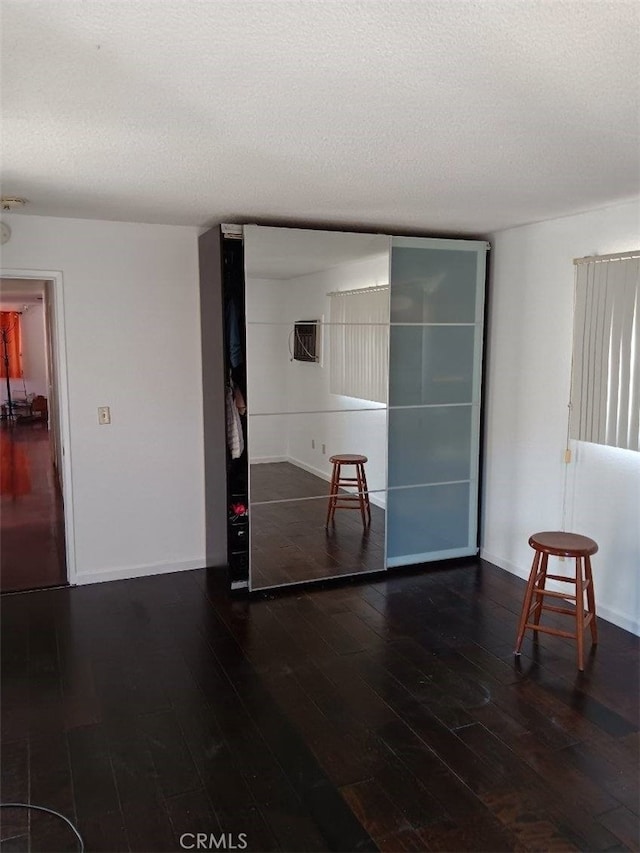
(317, 308)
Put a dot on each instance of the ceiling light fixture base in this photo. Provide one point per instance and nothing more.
(12, 202)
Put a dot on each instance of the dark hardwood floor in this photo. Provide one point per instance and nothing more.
(32, 548)
(386, 715)
(289, 541)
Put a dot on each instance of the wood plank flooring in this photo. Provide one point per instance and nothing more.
(32, 548)
(289, 540)
(387, 715)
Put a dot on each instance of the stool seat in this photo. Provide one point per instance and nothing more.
(562, 544)
(557, 543)
(348, 458)
(348, 500)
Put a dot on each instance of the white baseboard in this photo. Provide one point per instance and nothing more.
(138, 571)
(505, 564)
(310, 468)
(617, 618)
(264, 460)
(609, 614)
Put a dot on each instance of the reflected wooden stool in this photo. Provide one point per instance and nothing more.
(349, 501)
(560, 544)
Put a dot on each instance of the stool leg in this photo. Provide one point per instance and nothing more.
(333, 490)
(336, 490)
(360, 486)
(591, 601)
(366, 494)
(539, 586)
(580, 613)
(527, 601)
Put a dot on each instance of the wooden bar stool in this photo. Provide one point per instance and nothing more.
(560, 544)
(349, 501)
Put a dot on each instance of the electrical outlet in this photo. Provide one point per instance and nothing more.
(324, 448)
(104, 415)
(313, 444)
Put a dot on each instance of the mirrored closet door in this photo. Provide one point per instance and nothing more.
(317, 339)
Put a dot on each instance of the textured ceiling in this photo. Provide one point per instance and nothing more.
(459, 116)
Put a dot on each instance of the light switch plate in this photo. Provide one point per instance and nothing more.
(104, 415)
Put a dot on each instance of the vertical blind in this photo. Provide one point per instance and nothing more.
(605, 380)
(359, 343)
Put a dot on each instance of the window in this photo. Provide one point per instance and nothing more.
(10, 355)
(359, 343)
(605, 381)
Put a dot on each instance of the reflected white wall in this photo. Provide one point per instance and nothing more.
(267, 360)
(308, 384)
(277, 383)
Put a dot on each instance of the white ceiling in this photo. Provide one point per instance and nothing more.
(459, 116)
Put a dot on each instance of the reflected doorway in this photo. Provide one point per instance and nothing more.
(32, 529)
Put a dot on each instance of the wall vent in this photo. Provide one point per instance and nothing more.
(306, 340)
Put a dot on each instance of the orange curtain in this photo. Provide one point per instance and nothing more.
(10, 332)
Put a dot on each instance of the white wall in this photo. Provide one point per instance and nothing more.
(34, 359)
(276, 383)
(527, 391)
(133, 343)
(308, 384)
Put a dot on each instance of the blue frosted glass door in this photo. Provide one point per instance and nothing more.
(435, 359)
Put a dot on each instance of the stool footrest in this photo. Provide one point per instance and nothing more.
(555, 609)
(566, 595)
(588, 615)
(555, 631)
(585, 583)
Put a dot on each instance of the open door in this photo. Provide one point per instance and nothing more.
(35, 480)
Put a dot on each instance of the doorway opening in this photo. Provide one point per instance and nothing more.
(33, 552)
